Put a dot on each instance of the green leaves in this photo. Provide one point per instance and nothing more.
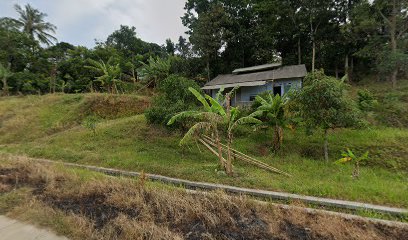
(349, 156)
(5, 72)
(109, 73)
(323, 102)
(200, 98)
(156, 70)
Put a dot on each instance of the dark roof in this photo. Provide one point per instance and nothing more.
(294, 71)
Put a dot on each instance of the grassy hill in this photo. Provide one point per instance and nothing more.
(52, 126)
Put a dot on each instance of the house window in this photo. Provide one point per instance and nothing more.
(287, 87)
(252, 98)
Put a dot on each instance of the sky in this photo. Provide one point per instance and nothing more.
(80, 22)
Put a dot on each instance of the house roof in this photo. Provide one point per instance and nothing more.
(256, 78)
(257, 68)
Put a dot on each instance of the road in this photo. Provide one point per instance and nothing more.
(11, 229)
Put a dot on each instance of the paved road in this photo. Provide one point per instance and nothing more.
(13, 230)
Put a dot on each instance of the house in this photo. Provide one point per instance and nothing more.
(254, 80)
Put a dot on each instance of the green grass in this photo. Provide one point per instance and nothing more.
(50, 127)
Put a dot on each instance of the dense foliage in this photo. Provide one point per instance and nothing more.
(323, 103)
(173, 97)
(344, 37)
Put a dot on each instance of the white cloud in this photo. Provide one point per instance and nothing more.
(81, 21)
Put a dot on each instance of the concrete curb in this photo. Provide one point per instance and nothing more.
(238, 190)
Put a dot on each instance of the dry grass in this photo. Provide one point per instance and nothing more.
(85, 205)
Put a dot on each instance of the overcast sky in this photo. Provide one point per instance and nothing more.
(80, 22)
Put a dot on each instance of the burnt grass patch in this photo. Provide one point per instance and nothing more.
(128, 209)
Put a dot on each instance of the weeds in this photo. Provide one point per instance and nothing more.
(110, 208)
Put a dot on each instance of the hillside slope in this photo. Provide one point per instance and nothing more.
(52, 126)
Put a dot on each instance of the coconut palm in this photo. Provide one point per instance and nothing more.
(5, 73)
(272, 114)
(31, 21)
(210, 119)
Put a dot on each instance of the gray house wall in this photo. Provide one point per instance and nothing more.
(244, 94)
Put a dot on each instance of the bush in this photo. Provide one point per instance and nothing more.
(173, 97)
(366, 100)
(28, 83)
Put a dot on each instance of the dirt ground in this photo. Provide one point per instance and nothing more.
(114, 208)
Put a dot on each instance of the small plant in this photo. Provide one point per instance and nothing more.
(366, 100)
(91, 123)
(349, 156)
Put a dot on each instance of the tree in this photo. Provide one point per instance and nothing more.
(385, 24)
(323, 103)
(170, 47)
(395, 16)
(31, 21)
(208, 31)
(271, 111)
(5, 73)
(125, 40)
(183, 47)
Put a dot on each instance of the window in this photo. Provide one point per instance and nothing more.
(287, 87)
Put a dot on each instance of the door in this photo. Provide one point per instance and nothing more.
(277, 90)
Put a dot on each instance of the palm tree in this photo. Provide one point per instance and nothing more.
(272, 114)
(109, 74)
(209, 121)
(31, 21)
(5, 73)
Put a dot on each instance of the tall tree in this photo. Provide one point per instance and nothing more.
(31, 21)
(208, 29)
(395, 16)
(170, 47)
(183, 47)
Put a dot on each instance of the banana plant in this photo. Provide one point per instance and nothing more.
(109, 74)
(155, 70)
(272, 114)
(349, 156)
(215, 113)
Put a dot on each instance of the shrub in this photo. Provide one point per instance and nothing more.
(91, 123)
(366, 100)
(173, 97)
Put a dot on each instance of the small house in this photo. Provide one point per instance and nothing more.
(255, 80)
